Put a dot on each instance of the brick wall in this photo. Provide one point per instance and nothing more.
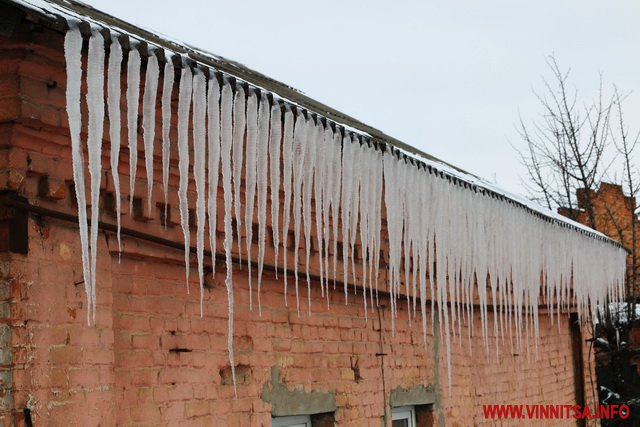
(123, 369)
(150, 359)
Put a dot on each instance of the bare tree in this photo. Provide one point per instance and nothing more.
(565, 150)
(575, 147)
(627, 228)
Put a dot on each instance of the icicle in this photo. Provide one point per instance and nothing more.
(262, 180)
(318, 185)
(432, 215)
(226, 141)
(184, 102)
(133, 100)
(113, 103)
(365, 210)
(275, 139)
(354, 197)
(373, 223)
(307, 191)
(327, 198)
(300, 140)
(239, 123)
(287, 172)
(73, 58)
(390, 168)
(424, 232)
(336, 172)
(407, 238)
(377, 219)
(199, 174)
(213, 163)
(167, 88)
(250, 179)
(370, 182)
(95, 104)
(149, 120)
(347, 193)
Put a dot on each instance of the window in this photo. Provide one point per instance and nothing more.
(298, 421)
(404, 416)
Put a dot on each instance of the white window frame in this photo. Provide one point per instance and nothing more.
(299, 420)
(404, 413)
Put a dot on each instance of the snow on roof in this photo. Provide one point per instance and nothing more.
(58, 13)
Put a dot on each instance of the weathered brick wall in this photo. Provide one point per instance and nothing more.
(62, 369)
(150, 359)
(123, 369)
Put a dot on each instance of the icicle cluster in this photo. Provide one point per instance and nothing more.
(445, 246)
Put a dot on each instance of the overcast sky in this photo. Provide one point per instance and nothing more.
(450, 78)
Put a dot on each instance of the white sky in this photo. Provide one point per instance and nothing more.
(447, 77)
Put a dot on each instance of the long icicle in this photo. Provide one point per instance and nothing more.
(336, 171)
(275, 141)
(377, 222)
(226, 144)
(307, 187)
(250, 180)
(347, 181)
(355, 205)
(167, 89)
(133, 101)
(366, 210)
(287, 172)
(186, 82)
(318, 185)
(394, 227)
(149, 121)
(327, 199)
(213, 163)
(239, 124)
(73, 59)
(262, 180)
(424, 230)
(300, 136)
(95, 106)
(113, 104)
(199, 173)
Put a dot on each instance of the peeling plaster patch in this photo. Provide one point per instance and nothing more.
(5, 289)
(5, 310)
(6, 384)
(5, 344)
(65, 251)
(416, 395)
(295, 402)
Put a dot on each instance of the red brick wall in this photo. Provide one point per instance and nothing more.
(122, 370)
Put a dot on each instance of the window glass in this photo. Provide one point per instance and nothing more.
(403, 417)
(297, 421)
(400, 423)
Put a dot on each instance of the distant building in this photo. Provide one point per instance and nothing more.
(614, 216)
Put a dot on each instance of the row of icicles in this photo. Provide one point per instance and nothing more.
(448, 246)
